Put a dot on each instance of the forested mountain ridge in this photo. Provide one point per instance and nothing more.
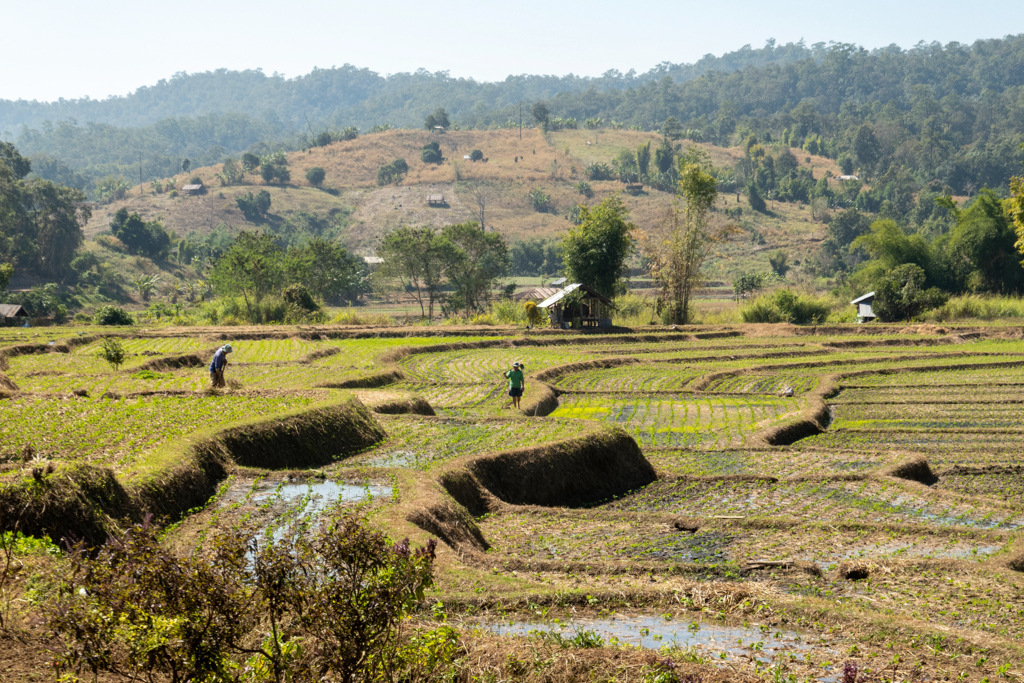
(950, 116)
(348, 95)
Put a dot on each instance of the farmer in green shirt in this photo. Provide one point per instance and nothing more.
(516, 383)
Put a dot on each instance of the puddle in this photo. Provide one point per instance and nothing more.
(271, 507)
(759, 642)
(904, 550)
(319, 496)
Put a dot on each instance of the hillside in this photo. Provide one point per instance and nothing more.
(553, 163)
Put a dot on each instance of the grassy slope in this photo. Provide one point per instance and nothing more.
(553, 163)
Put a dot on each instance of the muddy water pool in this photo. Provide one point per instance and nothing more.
(710, 639)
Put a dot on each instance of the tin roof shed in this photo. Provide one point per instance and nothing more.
(864, 310)
(12, 311)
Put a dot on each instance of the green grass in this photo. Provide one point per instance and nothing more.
(420, 442)
(706, 422)
(119, 431)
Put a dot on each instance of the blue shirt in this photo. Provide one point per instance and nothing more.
(220, 359)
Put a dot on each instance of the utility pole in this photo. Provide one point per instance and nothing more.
(520, 119)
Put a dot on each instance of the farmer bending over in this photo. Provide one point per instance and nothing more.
(516, 383)
(217, 365)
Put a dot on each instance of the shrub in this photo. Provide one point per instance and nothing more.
(540, 201)
(112, 351)
(297, 295)
(535, 315)
(599, 171)
(785, 306)
(315, 176)
(392, 173)
(350, 317)
(507, 312)
(342, 591)
(431, 153)
(112, 315)
(900, 295)
(476, 155)
(583, 187)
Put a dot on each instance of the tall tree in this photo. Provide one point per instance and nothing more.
(643, 158)
(327, 269)
(595, 251)
(480, 259)
(420, 258)
(677, 260)
(252, 267)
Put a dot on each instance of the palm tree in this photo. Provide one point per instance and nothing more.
(145, 284)
(174, 289)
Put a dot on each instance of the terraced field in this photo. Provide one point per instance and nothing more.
(849, 493)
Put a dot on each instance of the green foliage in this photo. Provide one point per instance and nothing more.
(479, 259)
(339, 592)
(327, 269)
(273, 172)
(148, 238)
(392, 173)
(112, 351)
(297, 295)
(664, 155)
(748, 283)
(431, 153)
(6, 271)
(534, 315)
(40, 222)
(254, 208)
(112, 315)
(677, 262)
(476, 155)
(250, 162)
(253, 267)
(786, 306)
(778, 262)
(595, 251)
(643, 158)
(981, 250)
(583, 188)
(315, 176)
(540, 113)
(757, 202)
(231, 173)
(599, 171)
(901, 294)
(438, 119)
(539, 200)
(419, 258)
(536, 256)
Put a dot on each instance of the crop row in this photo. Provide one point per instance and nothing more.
(865, 501)
(631, 537)
(942, 447)
(419, 442)
(630, 378)
(765, 463)
(928, 416)
(764, 384)
(706, 422)
(116, 431)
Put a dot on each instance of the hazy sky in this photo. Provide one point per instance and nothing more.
(60, 48)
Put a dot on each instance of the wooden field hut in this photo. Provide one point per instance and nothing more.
(192, 189)
(12, 311)
(589, 310)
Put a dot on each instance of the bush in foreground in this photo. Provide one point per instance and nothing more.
(785, 306)
(112, 315)
(321, 606)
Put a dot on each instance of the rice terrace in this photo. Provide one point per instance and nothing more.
(745, 502)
